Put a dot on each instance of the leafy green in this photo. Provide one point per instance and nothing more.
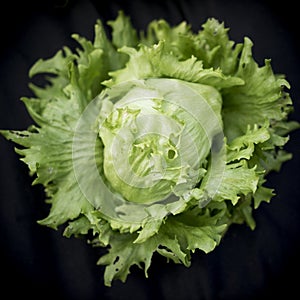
(154, 141)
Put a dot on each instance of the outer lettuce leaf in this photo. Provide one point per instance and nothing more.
(264, 94)
(157, 62)
(177, 238)
(56, 111)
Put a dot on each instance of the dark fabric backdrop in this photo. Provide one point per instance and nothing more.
(38, 263)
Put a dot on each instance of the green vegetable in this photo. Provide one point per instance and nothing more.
(155, 141)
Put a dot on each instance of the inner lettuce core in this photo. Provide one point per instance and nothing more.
(157, 137)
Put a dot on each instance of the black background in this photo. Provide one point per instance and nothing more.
(37, 262)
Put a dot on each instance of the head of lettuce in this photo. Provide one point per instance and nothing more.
(154, 141)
